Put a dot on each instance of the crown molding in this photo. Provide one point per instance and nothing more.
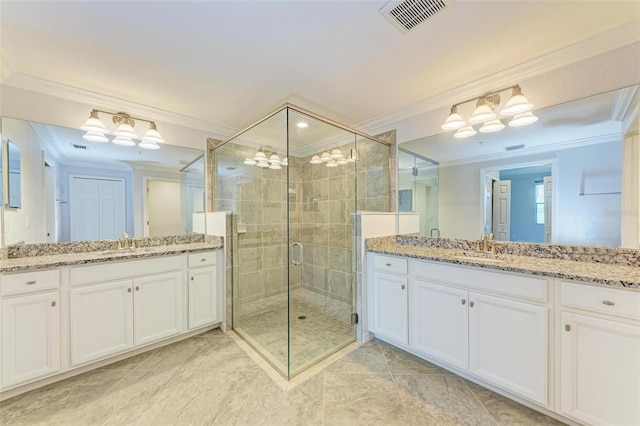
(622, 103)
(5, 68)
(101, 101)
(585, 49)
(45, 136)
(550, 147)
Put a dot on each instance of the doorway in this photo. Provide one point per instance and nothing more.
(96, 208)
(161, 211)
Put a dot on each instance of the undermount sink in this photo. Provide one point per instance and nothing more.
(481, 258)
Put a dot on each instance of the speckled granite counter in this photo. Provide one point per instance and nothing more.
(33, 263)
(592, 272)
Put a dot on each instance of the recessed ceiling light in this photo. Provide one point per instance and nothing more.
(302, 124)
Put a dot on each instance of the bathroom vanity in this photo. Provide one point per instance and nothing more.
(69, 313)
(560, 336)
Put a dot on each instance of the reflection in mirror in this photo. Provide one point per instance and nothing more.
(562, 180)
(14, 188)
(75, 190)
(418, 191)
(191, 192)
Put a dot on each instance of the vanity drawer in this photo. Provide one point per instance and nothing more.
(202, 259)
(625, 303)
(394, 265)
(112, 271)
(28, 282)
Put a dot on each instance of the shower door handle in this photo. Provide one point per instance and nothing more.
(293, 254)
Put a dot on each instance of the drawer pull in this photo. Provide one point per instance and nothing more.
(31, 282)
(388, 264)
(608, 303)
(203, 260)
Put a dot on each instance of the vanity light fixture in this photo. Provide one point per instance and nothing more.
(124, 133)
(302, 125)
(335, 159)
(485, 113)
(266, 158)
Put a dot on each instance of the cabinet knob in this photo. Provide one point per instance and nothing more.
(403, 286)
(608, 303)
(464, 301)
(567, 327)
(203, 260)
(129, 289)
(137, 288)
(388, 264)
(471, 304)
(192, 278)
(53, 304)
(31, 282)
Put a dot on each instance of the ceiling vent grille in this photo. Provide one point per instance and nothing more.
(513, 147)
(79, 146)
(405, 15)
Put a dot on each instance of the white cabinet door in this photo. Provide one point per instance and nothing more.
(439, 322)
(157, 307)
(30, 337)
(101, 320)
(390, 314)
(600, 370)
(203, 300)
(508, 345)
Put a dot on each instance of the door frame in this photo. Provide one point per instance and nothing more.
(145, 210)
(554, 185)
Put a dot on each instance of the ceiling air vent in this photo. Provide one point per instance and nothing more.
(512, 147)
(79, 146)
(405, 15)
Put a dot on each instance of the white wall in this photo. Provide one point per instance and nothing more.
(28, 222)
(139, 197)
(580, 220)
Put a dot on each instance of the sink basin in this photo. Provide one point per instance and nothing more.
(472, 258)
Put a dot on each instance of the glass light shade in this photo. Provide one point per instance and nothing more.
(465, 132)
(491, 126)
(262, 164)
(275, 166)
(126, 131)
(481, 114)
(260, 156)
(95, 137)
(516, 105)
(351, 160)
(336, 154)
(302, 125)
(148, 145)
(342, 162)
(315, 160)
(325, 157)
(523, 119)
(153, 135)
(454, 120)
(249, 162)
(285, 162)
(124, 141)
(274, 159)
(94, 124)
(331, 163)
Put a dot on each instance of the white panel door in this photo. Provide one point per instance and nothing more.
(508, 345)
(157, 307)
(203, 297)
(600, 370)
(97, 208)
(30, 337)
(439, 322)
(101, 320)
(502, 209)
(390, 313)
(548, 209)
(163, 208)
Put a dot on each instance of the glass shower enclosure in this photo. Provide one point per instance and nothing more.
(418, 190)
(291, 183)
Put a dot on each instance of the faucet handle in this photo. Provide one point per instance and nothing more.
(491, 236)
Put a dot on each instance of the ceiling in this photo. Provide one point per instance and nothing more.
(230, 62)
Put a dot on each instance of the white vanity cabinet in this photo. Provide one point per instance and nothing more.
(117, 306)
(30, 326)
(491, 325)
(599, 354)
(203, 289)
(390, 298)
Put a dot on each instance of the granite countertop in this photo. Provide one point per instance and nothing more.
(34, 263)
(590, 272)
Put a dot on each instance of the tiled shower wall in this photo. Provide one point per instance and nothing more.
(322, 203)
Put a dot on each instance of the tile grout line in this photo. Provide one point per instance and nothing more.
(395, 383)
(479, 402)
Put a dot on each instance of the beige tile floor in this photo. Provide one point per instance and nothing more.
(209, 379)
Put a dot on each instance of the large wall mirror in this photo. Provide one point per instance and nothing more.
(559, 180)
(76, 190)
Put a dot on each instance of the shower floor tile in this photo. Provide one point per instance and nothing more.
(319, 327)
